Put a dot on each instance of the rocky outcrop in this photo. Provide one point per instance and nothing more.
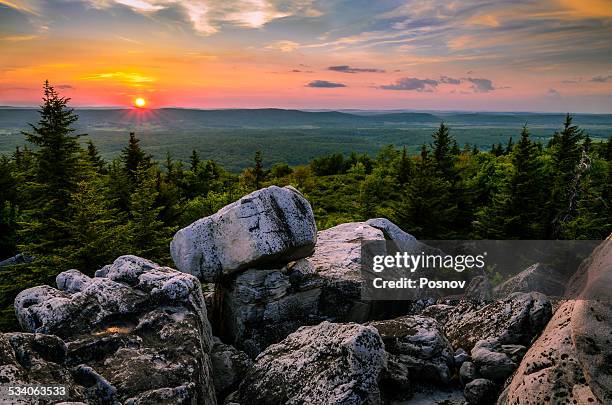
(28, 358)
(570, 362)
(516, 319)
(261, 307)
(257, 307)
(229, 367)
(418, 345)
(270, 226)
(137, 333)
(538, 277)
(324, 364)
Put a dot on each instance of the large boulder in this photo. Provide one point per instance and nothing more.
(324, 364)
(538, 277)
(516, 319)
(270, 226)
(571, 359)
(136, 333)
(261, 307)
(418, 344)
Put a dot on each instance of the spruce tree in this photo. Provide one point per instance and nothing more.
(515, 211)
(404, 167)
(97, 234)
(565, 156)
(427, 207)
(55, 177)
(194, 161)
(134, 157)
(444, 151)
(94, 158)
(258, 171)
(149, 236)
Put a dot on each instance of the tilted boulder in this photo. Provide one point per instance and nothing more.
(324, 364)
(516, 319)
(270, 226)
(538, 277)
(571, 360)
(137, 333)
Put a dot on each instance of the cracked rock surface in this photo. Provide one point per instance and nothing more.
(324, 364)
(137, 333)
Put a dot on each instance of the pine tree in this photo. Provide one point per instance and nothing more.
(194, 161)
(404, 169)
(515, 212)
(510, 145)
(96, 232)
(134, 157)
(444, 153)
(565, 156)
(55, 176)
(94, 158)
(149, 236)
(258, 171)
(427, 208)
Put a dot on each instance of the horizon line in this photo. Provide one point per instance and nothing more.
(342, 110)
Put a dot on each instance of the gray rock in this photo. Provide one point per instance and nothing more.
(72, 281)
(468, 372)
(392, 231)
(480, 392)
(324, 364)
(571, 359)
(229, 368)
(261, 307)
(460, 356)
(337, 261)
(440, 312)
(267, 227)
(418, 343)
(491, 361)
(136, 333)
(479, 289)
(516, 319)
(28, 358)
(538, 277)
(19, 258)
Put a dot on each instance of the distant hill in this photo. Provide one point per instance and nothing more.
(292, 136)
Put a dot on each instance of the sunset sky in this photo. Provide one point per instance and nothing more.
(448, 55)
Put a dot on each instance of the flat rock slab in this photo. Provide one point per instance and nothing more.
(270, 226)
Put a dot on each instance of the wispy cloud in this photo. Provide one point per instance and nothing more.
(18, 38)
(481, 85)
(412, 84)
(283, 46)
(324, 84)
(349, 69)
(207, 16)
(601, 79)
(130, 78)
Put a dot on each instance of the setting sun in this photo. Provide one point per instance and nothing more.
(140, 102)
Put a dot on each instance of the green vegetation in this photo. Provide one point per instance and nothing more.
(66, 207)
